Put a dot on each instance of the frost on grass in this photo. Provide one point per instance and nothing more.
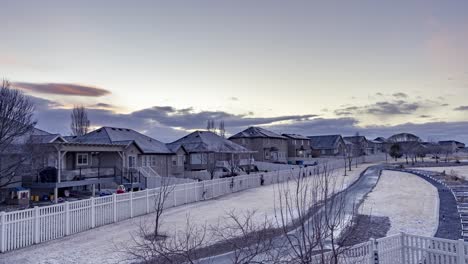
(411, 203)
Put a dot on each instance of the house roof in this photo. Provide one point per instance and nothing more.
(324, 141)
(403, 137)
(380, 139)
(295, 136)
(257, 132)
(114, 135)
(355, 139)
(206, 141)
(450, 142)
(43, 139)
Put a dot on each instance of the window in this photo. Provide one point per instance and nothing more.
(174, 160)
(198, 158)
(82, 159)
(302, 142)
(153, 161)
(294, 142)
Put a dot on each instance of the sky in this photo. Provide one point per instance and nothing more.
(309, 67)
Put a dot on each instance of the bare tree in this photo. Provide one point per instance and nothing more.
(79, 121)
(185, 246)
(222, 129)
(311, 215)
(161, 195)
(16, 123)
(249, 240)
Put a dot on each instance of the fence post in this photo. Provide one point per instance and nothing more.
(373, 252)
(2, 232)
(175, 196)
(36, 225)
(93, 213)
(461, 251)
(67, 218)
(114, 202)
(131, 204)
(147, 201)
(185, 189)
(402, 247)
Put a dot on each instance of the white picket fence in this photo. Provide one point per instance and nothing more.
(403, 249)
(23, 228)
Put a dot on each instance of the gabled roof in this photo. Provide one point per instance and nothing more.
(295, 136)
(257, 132)
(450, 142)
(206, 141)
(325, 141)
(403, 137)
(114, 135)
(355, 139)
(380, 139)
(43, 139)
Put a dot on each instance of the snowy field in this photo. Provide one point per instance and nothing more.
(101, 245)
(461, 171)
(411, 203)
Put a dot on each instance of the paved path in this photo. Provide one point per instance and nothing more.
(355, 195)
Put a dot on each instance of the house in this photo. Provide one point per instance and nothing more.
(268, 146)
(361, 145)
(207, 151)
(377, 145)
(142, 153)
(452, 145)
(298, 146)
(328, 145)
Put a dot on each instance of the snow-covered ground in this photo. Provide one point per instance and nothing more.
(461, 171)
(411, 203)
(100, 245)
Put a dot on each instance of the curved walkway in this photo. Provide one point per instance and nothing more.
(355, 195)
(449, 218)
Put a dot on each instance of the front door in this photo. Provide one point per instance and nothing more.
(274, 156)
(131, 161)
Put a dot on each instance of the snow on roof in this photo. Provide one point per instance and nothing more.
(380, 139)
(257, 132)
(403, 137)
(355, 139)
(206, 141)
(295, 136)
(116, 135)
(42, 139)
(324, 141)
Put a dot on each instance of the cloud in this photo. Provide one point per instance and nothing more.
(101, 105)
(167, 123)
(461, 108)
(234, 98)
(349, 126)
(383, 108)
(189, 119)
(61, 89)
(400, 95)
(162, 122)
(399, 107)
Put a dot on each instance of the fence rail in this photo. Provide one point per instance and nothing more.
(23, 228)
(402, 249)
